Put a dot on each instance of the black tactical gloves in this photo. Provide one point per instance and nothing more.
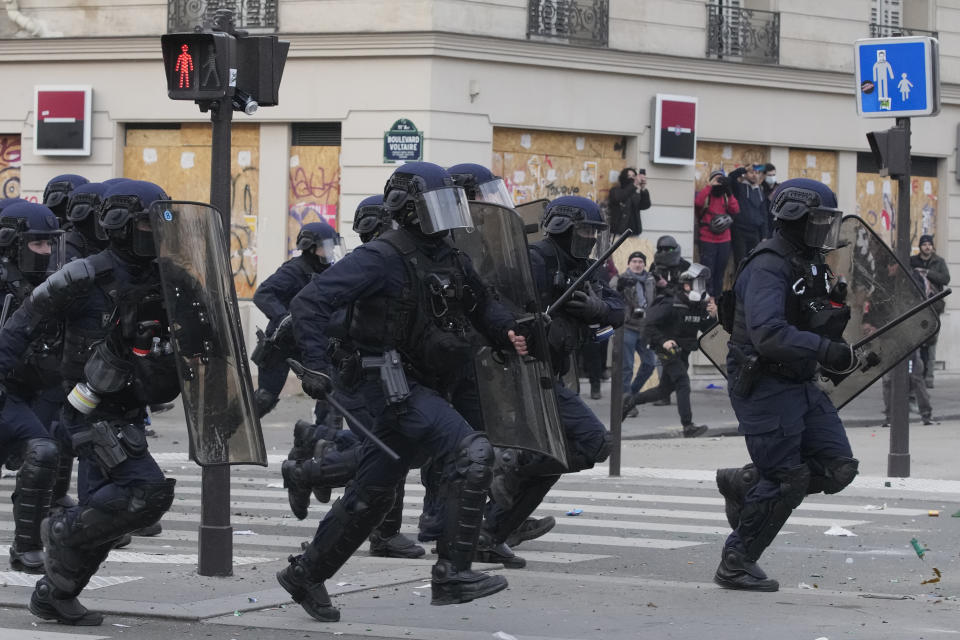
(588, 307)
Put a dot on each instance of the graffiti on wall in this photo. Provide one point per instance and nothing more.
(179, 161)
(877, 205)
(9, 166)
(314, 189)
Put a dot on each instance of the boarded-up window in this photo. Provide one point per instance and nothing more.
(814, 164)
(877, 199)
(178, 159)
(9, 166)
(314, 192)
(550, 164)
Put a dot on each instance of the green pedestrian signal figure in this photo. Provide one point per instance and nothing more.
(184, 66)
(209, 69)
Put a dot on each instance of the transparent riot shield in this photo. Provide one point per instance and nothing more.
(532, 213)
(885, 325)
(207, 340)
(518, 403)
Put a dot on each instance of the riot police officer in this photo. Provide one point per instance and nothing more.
(674, 320)
(481, 185)
(112, 310)
(57, 193)
(787, 322)
(572, 225)
(319, 246)
(414, 309)
(82, 235)
(324, 457)
(30, 247)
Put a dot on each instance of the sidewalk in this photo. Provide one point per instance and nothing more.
(711, 407)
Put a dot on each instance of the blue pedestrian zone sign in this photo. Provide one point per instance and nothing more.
(897, 77)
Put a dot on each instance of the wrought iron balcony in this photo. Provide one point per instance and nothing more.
(746, 35)
(254, 15)
(896, 31)
(584, 22)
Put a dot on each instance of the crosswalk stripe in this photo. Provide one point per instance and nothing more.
(19, 579)
(118, 555)
(33, 634)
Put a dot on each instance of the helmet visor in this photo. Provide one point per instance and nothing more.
(41, 252)
(329, 250)
(495, 192)
(443, 209)
(823, 228)
(584, 238)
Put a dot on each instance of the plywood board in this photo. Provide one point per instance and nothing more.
(314, 189)
(877, 205)
(9, 166)
(181, 165)
(727, 156)
(815, 164)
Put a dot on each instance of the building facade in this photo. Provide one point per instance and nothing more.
(556, 95)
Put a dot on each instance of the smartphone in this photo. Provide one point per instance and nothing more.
(642, 172)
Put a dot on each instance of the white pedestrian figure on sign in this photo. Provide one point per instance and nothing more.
(881, 72)
(904, 85)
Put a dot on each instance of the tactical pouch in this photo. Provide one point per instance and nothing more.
(133, 439)
(100, 442)
(747, 377)
(393, 379)
(258, 356)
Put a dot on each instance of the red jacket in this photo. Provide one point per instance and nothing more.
(707, 207)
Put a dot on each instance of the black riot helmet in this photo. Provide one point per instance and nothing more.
(58, 190)
(806, 210)
(319, 243)
(124, 217)
(480, 184)
(30, 237)
(371, 218)
(668, 252)
(424, 194)
(81, 211)
(575, 223)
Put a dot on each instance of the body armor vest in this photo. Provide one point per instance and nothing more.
(812, 304)
(40, 365)
(427, 321)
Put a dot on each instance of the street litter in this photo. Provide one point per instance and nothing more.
(245, 532)
(804, 585)
(500, 635)
(933, 513)
(916, 547)
(714, 386)
(574, 512)
(876, 507)
(419, 594)
(251, 599)
(936, 572)
(956, 515)
(849, 560)
(839, 531)
(885, 597)
(117, 624)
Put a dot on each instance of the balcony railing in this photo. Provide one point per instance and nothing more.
(896, 31)
(255, 15)
(746, 35)
(584, 22)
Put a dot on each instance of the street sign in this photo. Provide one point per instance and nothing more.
(402, 143)
(897, 77)
(199, 66)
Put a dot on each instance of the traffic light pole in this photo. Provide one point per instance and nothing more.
(898, 460)
(216, 533)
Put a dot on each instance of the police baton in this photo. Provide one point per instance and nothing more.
(573, 288)
(7, 301)
(303, 373)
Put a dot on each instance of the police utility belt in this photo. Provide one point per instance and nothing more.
(388, 368)
(752, 367)
(110, 442)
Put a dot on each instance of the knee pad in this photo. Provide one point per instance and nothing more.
(39, 467)
(68, 568)
(834, 474)
(474, 460)
(793, 484)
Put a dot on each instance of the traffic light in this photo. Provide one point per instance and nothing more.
(199, 66)
(891, 150)
(260, 62)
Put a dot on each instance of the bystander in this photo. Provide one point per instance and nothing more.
(751, 225)
(716, 210)
(636, 285)
(933, 271)
(627, 200)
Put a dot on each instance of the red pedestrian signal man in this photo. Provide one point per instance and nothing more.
(184, 66)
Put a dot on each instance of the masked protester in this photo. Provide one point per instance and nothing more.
(675, 319)
(787, 325)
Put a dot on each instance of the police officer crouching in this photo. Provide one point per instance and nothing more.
(109, 304)
(787, 323)
(412, 293)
